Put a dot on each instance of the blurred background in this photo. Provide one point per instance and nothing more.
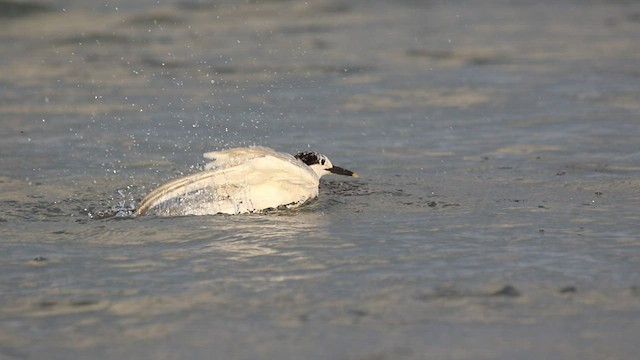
(496, 216)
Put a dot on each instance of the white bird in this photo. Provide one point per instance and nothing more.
(242, 180)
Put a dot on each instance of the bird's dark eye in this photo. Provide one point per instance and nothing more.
(322, 162)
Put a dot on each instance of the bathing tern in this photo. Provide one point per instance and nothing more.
(242, 180)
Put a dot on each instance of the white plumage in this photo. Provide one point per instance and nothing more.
(242, 180)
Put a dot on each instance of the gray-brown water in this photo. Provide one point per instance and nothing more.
(496, 216)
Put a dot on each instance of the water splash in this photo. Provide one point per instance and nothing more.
(124, 208)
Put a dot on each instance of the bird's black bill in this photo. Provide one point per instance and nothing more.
(340, 171)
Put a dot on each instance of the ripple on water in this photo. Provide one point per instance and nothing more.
(15, 9)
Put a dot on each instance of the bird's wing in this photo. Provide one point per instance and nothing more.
(175, 188)
(278, 167)
(232, 157)
(267, 168)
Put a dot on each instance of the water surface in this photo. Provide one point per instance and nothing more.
(496, 215)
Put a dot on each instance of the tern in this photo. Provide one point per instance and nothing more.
(242, 180)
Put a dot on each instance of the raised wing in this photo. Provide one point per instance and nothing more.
(232, 157)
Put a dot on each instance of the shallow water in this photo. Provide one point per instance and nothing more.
(496, 215)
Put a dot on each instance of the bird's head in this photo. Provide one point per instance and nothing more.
(321, 164)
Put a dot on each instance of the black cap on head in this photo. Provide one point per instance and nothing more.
(311, 158)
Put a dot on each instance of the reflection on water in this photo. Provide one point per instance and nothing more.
(256, 235)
